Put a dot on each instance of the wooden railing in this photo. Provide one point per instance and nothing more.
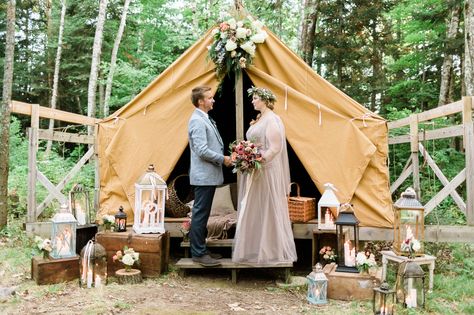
(415, 138)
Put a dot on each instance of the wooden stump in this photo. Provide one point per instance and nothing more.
(128, 277)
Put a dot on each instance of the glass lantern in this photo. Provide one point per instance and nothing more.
(411, 285)
(121, 220)
(317, 286)
(93, 265)
(63, 234)
(408, 224)
(347, 242)
(150, 194)
(384, 300)
(79, 203)
(329, 204)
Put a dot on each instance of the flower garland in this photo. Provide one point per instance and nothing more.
(234, 44)
(265, 94)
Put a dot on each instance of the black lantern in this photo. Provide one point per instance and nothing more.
(384, 300)
(411, 285)
(121, 220)
(347, 234)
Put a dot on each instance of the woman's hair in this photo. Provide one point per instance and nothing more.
(198, 94)
(265, 95)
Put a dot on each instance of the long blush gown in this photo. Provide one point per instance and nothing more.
(264, 234)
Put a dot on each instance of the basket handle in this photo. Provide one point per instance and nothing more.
(297, 189)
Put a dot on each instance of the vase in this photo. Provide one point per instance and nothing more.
(364, 272)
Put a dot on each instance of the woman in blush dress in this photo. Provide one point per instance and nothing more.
(264, 234)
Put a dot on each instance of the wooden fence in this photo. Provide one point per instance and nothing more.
(416, 139)
(34, 135)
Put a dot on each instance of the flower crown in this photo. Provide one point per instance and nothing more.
(265, 94)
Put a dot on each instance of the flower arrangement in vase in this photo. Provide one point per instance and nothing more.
(128, 257)
(327, 254)
(411, 244)
(44, 245)
(365, 261)
(108, 222)
(185, 228)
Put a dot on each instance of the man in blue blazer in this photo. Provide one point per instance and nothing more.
(207, 157)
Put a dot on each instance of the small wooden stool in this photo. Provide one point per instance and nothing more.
(422, 260)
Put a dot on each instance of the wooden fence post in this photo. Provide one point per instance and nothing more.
(32, 151)
(469, 150)
(414, 153)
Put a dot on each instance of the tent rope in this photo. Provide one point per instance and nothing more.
(286, 97)
(363, 117)
(320, 114)
(117, 118)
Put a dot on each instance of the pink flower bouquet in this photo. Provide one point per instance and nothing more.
(246, 156)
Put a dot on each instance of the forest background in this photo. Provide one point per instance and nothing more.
(394, 57)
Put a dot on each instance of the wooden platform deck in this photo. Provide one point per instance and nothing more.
(226, 263)
(226, 243)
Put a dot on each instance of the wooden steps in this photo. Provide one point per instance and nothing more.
(226, 263)
(225, 243)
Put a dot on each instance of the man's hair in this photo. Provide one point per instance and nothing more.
(198, 94)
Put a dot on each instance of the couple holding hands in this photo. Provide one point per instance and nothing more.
(263, 234)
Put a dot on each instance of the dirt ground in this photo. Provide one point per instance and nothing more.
(202, 292)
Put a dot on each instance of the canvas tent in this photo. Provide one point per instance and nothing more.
(336, 139)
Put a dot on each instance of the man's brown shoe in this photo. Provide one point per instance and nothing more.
(206, 261)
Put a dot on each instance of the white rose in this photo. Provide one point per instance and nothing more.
(360, 259)
(232, 23)
(257, 24)
(241, 32)
(416, 245)
(128, 260)
(259, 37)
(230, 45)
(240, 24)
(249, 47)
(135, 256)
(223, 35)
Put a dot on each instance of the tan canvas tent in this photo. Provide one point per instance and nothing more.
(336, 139)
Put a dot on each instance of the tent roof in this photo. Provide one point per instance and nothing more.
(336, 139)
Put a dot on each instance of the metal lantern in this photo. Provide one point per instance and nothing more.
(63, 234)
(121, 220)
(93, 265)
(329, 204)
(150, 194)
(384, 300)
(411, 285)
(79, 203)
(347, 242)
(409, 223)
(317, 286)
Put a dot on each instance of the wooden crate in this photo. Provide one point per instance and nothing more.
(350, 286)
(51, 271)
(153, 249)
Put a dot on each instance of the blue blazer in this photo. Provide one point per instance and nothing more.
(207, 151)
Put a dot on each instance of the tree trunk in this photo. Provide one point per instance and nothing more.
(96, 51)
(5, 111)
(49, 30)
(469, 47)
(446, 70)
(133, 276)
(113, 59)
(54, 95)
(308, 30)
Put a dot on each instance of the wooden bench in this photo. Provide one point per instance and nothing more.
(225, 243)
(226, 263)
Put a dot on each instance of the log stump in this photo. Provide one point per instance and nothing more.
(128, 277)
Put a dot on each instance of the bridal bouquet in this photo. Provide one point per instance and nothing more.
(245, 156)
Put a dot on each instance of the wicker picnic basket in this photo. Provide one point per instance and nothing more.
(301, 209)
(180, 192)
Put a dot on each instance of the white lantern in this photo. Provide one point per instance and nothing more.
(150, 194)
(317, 286)
(63, 234)
(328, 206)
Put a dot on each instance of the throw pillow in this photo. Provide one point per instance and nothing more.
(222, 202)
